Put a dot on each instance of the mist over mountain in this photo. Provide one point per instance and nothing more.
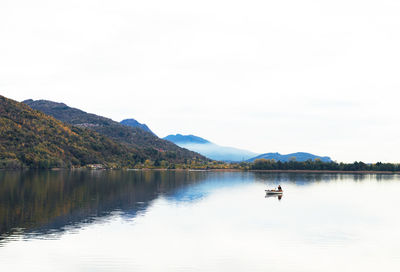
(133, 123)
(231, 154)
(299, 156)
(209, 149)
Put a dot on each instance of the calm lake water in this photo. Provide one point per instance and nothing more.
(198, 221)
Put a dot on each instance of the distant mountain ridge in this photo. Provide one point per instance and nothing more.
(133, 137)
(231, 154)
(133, 123)
(298, 156)
(185, 139)
(209, 149)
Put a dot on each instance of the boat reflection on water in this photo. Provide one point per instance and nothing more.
(279, 196)
(274, 192)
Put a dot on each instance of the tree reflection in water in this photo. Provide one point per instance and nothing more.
(40, 202)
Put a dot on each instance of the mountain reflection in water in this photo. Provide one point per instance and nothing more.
(38, 203)
(82, 220)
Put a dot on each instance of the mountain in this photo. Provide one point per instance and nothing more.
(186, 139)
(299, 156)
(209, 149)
(134, 123)
(29, 138)
(133, 137)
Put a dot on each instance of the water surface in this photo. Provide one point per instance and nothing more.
(198, 221)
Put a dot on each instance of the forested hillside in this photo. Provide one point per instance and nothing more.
(29, 138)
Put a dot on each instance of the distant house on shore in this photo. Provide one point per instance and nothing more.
(95, 166)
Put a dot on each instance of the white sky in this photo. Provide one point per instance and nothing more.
(286, 76)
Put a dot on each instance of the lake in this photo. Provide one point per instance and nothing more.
(81, 220)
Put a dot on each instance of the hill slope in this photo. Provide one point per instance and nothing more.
(133, 137)
(133, 123)
(299, 156)
(29, 138)
(209, 149)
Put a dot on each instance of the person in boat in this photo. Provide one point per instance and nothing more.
(279, 188)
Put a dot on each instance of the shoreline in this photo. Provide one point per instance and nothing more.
(326, 171)
(272, 171)
(213, 170)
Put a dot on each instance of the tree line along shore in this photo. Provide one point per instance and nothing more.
(257, 165)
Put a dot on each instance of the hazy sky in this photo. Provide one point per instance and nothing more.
(268, 76)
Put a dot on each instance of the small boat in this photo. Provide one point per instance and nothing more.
(274, 192)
